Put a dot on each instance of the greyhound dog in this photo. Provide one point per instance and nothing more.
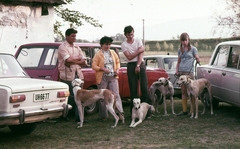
(87, 97)
(140, 111)
(166, 88)
(195, 88)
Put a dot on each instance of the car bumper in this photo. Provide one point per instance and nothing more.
(177, 91)
(22, 116)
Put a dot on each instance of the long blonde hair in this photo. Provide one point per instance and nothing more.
(183, 37)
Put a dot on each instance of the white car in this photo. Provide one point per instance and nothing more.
(168, 63)
(25, 101)
(223, 72)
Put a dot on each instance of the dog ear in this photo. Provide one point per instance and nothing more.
(156, 83)
(188, 79)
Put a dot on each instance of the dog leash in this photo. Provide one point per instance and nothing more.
(195, 75)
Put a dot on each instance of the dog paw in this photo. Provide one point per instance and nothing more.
(113, 126)
(196, 117)
(79, 127)
(191, 117)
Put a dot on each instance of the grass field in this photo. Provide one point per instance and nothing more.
(218, 131)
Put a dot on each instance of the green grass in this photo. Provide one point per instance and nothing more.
(220, 130)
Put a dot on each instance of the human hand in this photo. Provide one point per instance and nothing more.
(105, 70)
(137, 70)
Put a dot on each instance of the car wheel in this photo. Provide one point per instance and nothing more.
(23, 128)
(215, 103)
(206, 99)
(158, 97)
(93, 108)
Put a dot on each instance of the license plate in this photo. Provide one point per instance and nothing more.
(41, 97)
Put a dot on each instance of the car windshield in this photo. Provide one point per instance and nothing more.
(9, 67)
(170, 63)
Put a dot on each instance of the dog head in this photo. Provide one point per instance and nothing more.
(136, 103)
(163, 81)
(77, 82)
(183, 79)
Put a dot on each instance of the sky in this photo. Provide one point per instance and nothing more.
(151, 19)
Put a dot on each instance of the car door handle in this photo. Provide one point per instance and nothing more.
(209, 71)
(224, 73)
(46, 77)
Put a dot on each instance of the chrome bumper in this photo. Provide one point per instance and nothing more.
(22, 116)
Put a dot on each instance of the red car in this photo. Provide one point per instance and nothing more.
(40, 61)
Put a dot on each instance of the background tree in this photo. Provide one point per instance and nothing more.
(228, 18)
(158, 46)
(73, 17)
(119, 37)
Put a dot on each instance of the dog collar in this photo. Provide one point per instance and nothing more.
(138, 108)
(166, 84)
(75, 86)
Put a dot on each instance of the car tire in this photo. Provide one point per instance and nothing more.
(206, 98)
(93, 108)
(158, 96)
(215, 103)
(23, 128)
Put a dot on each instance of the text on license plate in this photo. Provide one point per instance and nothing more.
(41, 97)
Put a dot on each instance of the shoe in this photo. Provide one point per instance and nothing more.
(182, 113)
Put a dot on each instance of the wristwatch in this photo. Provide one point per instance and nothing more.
(138, 65)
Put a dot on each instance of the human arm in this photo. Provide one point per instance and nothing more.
(177, 66)
(76, 60)
(131, 56)
(197, 58)
(140, 58)
(98, 63)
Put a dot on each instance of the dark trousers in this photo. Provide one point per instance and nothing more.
(71, 100)
(134, 79)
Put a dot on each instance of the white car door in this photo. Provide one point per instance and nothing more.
(231, 77)
(216, 71)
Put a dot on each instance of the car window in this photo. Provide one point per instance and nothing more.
(152, 63)
(9, 67)
(51, 57)
(233, 60)
(221, 57)
(170, 63)
(30, 57)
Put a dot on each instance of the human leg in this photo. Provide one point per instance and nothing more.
(132, 82)
(103, 113)
(144, 84)
(184, 101)
(71, 100)
(113, 86)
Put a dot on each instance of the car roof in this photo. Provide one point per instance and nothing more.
(160, 56)
(233, 42)
(59, 43)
